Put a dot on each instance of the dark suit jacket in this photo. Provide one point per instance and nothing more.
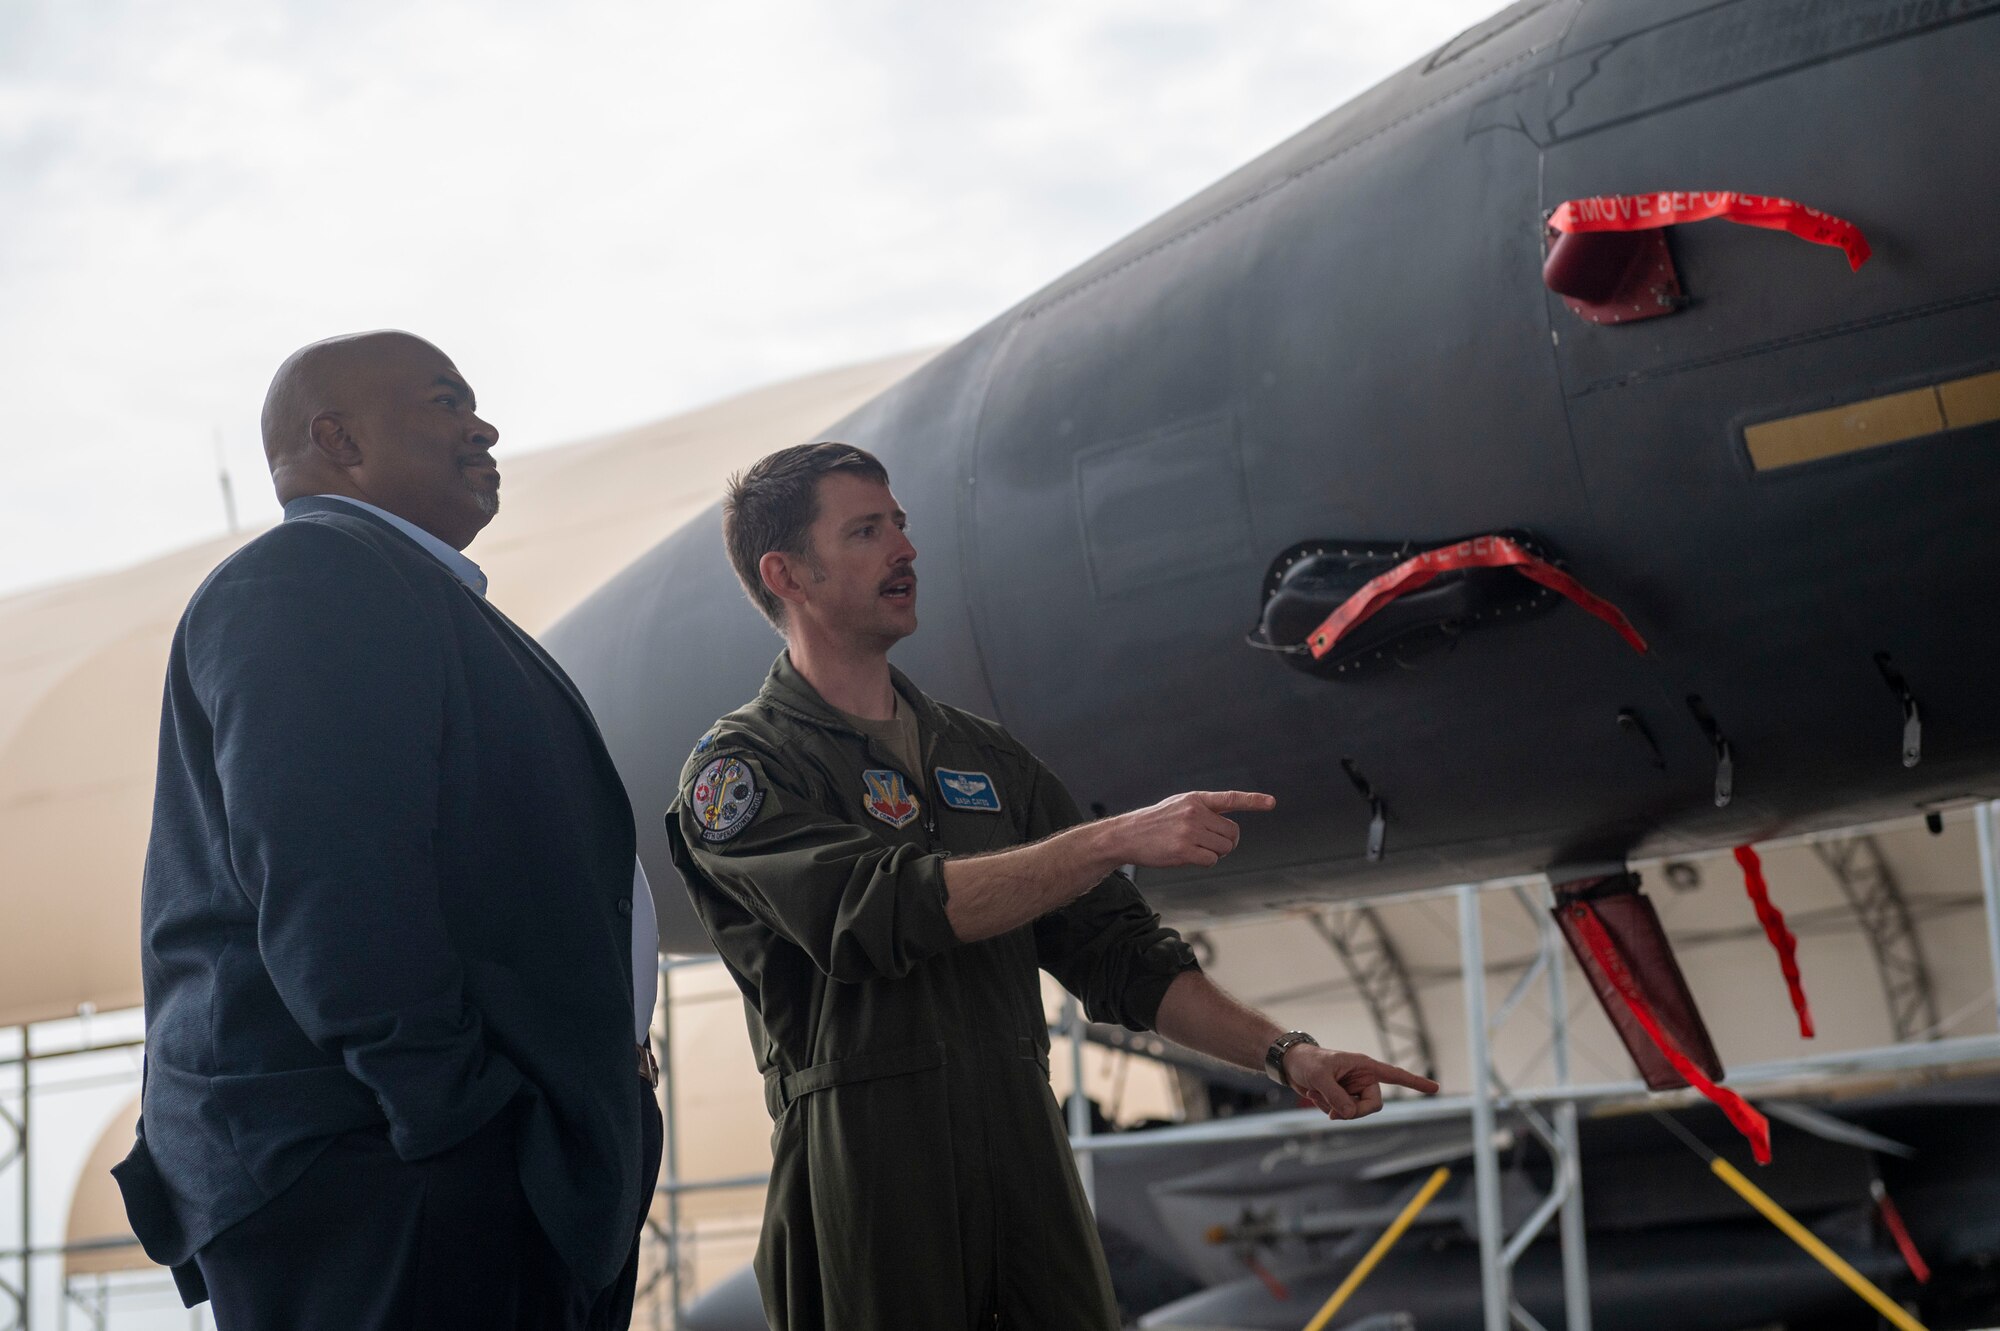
(389, 879)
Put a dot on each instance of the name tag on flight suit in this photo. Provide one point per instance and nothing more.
(968, 790)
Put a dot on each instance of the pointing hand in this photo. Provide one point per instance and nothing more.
(1344, 1085)
(1193, 829)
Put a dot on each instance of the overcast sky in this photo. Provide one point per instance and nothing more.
(605, 212)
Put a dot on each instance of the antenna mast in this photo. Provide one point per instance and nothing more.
(222, 479)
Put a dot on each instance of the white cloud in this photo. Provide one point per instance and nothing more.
(605, 210)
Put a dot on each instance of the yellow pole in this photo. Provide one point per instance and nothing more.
(1806, 1239)
(1381, 1248)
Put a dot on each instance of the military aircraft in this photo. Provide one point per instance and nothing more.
(1442, 473)
(1137, 493)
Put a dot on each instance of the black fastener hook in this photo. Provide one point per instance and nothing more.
(1725, 760)
(1378, 813)
(1913, 723)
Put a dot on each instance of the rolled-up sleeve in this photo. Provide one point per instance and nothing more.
(859, 908)
(1108, 946)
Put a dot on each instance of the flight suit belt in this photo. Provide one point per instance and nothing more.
(781, 1089)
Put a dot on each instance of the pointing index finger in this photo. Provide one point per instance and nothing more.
(1395, 1076)
(1237, 801)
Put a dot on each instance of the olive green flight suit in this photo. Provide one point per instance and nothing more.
(921, 1176)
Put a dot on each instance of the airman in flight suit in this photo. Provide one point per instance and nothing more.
(884, 876)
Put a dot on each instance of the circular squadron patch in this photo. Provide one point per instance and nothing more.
(726, 798)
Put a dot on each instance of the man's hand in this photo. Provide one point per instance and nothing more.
(1343, 1085)
(1190, 829)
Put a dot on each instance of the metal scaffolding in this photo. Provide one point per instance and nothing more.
(18, 1287)
(1375, 966)
(20, 1291)
(1989, 879)
(1858, 865)
(1499, 1250)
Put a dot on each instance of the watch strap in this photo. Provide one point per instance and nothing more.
(1274, 1057)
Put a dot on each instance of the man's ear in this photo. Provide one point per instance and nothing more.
(332, 441)
(781, 576)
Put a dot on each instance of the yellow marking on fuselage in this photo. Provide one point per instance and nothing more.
(1874, 422)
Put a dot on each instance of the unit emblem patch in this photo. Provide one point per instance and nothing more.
(889, 797)
(726, 798)
(968, 790)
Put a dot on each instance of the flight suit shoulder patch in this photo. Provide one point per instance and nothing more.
(725, 798)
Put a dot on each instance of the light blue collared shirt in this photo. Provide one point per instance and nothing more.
(645, 922)
(467, 572)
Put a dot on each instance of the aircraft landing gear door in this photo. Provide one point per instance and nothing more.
(1703, 433)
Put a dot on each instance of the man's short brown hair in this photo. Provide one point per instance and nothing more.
(772, 506)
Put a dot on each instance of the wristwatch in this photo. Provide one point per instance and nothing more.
(1274, 1057)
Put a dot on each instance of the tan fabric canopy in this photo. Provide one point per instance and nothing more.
(81, 666)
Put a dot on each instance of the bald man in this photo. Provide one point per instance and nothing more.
(399, 961)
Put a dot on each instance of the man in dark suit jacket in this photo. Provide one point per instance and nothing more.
(398, 959)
